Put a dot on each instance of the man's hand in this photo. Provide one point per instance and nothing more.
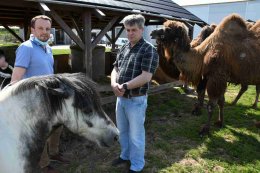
(118, 89)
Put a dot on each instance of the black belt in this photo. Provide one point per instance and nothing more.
(128, 96)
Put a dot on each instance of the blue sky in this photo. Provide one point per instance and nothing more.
(193, 2)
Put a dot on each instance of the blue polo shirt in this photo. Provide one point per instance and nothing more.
(34, 58)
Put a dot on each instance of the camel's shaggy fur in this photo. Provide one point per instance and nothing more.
(230, 53)
(205, 32)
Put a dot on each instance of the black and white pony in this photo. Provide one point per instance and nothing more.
(31, 108)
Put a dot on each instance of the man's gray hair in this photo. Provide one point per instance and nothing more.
(133, 19)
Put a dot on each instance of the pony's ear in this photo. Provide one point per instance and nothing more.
(60, 91)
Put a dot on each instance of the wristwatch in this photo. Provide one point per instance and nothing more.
(125, 86)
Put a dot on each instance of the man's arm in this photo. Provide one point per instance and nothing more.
(115, 85)
(18, 73)
(138, 81)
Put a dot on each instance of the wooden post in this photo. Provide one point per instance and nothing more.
(103, 32)
(113, 35)
(87, 39)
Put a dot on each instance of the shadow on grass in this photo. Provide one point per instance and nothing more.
(233, 146)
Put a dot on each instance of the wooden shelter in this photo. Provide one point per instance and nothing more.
(86, 15)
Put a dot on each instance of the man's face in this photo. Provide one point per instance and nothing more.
(42, 29)
(2, 61)
(134, 33)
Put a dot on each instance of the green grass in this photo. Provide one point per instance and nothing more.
(173, 143)
(234, 148)
(61, 51)
(8, 44)
(68, 51)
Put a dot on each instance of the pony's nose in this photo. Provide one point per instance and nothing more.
(116, 138)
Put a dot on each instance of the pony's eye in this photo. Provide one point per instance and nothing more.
(90, 124)
(87, 110)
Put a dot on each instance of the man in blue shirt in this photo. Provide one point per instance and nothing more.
(34, 58)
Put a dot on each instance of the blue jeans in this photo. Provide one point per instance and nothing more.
(130, 117)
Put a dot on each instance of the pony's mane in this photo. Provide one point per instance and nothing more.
(86, 97)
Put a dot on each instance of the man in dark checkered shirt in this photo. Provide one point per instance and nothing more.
(135, 64)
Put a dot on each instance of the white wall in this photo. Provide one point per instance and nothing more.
(214, 13)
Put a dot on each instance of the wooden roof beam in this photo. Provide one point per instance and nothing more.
(86, 17)
(46, 10)
(108, 37)
(98, 13)
(119, 33)
(104, 31)
(13, 33)
(76, 26)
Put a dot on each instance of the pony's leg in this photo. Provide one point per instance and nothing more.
(219, 122)
(257, 88)
(241, 92)
(201, 88)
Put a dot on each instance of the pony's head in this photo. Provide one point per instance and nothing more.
(72, 100)
(172, 38)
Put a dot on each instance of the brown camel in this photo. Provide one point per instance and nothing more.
(230, 54)
(205, 32)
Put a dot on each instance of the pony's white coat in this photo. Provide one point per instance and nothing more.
(19, 115)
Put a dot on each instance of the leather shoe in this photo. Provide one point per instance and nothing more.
(131, 171)
(49, 169)
(119, 161)
(59, 158)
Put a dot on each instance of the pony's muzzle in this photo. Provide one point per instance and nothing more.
(116, 138)
(110, 138)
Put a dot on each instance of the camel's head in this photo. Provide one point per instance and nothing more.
(173, 38)
(205, 33)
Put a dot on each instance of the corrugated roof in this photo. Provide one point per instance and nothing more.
(18, 12)
(159, 8)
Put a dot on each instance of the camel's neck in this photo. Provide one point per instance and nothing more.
(190, 64)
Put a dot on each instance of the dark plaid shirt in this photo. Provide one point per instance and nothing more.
(130, 63)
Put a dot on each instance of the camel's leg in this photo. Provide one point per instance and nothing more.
(241, 91)
(257, 88)
(257, 124)
(206, 127)
(201, 88)
(216, 87)
(220, 120)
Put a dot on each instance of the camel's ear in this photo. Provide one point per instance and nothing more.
(60, 91)
(154, 34)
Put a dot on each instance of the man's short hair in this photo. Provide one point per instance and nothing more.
(134, 19)
(39, 17)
